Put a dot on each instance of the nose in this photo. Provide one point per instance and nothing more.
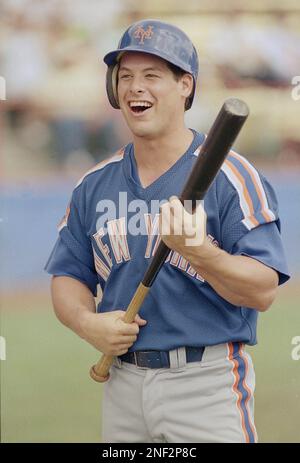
(136, 86)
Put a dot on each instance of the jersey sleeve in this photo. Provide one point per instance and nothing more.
(249, 216)
(72, 254)
(264, 244)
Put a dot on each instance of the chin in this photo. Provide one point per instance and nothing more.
(143, 133)
(140, 130)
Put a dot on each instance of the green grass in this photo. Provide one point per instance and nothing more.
(277, 405)
(47, 395)
(46, 392)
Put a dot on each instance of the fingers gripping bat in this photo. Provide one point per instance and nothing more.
(212, 154)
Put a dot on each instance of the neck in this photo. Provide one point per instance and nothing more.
(159, 154)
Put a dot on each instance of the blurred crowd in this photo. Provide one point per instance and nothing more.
(249, 54)
(51, 58)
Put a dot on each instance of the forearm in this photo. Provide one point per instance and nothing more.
(240, 280)
(74, 306)
(72, 302)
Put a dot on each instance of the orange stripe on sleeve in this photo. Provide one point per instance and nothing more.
(246, 193)
(264, 211)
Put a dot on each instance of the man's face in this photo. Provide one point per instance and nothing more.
(150, 98)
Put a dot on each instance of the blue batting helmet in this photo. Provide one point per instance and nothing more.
(156, 38)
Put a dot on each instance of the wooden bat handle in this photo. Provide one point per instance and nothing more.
(100, 371)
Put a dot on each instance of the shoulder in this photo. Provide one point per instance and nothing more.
(255, 196)
(244, 178)
(114, 160)
(90, 178)
(237, 167)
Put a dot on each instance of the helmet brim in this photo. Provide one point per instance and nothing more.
(111, 58)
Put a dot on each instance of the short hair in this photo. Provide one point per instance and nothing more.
(178, 73)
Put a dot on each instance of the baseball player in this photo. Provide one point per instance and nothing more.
(181, 372)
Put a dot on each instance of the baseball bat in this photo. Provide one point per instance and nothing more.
(212, 154)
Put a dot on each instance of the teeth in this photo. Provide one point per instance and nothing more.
(133, 104)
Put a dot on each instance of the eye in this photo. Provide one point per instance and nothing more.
(124, 76)
(152, 76)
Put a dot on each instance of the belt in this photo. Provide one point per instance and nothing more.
(160, 359)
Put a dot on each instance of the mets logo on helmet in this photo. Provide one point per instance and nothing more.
(141, 34)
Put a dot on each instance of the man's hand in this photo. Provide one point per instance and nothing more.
(180, 229)
(108, 332)
(74, 305)
(241, 280)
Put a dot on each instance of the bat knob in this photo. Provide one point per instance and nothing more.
(96, 377)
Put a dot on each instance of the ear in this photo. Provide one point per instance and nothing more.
(112, 84)
(187, 83)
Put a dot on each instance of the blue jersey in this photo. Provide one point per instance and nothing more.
(110, 233)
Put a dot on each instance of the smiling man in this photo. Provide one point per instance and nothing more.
(181, 373)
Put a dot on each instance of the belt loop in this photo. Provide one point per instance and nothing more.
(117, 362)
(181, 357)
(177, 358)
(173, 359)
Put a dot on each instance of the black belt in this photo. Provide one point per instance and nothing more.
(160, 359)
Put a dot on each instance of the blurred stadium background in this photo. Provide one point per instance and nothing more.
(56, 122)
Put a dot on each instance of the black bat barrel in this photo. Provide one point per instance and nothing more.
(212, 154)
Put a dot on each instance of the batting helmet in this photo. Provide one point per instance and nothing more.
(156, 38)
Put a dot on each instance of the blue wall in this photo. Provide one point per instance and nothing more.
(29, 215)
